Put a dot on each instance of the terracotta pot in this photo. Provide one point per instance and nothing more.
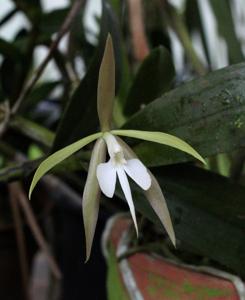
(144, 276)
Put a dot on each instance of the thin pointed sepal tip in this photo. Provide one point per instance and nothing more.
(87, 257)
(136, 230)
(204, 162)
(86, 260)
(173, 241)
(109, 37)
(30, 192)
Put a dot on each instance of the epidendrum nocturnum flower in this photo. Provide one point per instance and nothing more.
(119, 166)
(122, 162)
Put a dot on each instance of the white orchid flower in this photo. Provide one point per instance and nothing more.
(122, 163)
(119, 166)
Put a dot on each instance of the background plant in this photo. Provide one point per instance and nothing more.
(154, 92)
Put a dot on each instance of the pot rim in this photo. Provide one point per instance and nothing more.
(126, 271)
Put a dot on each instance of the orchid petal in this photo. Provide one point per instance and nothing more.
(138, 172)
(106, 175)
(91, 194)
(127, 193)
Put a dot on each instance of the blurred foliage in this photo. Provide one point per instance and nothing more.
(206, 111)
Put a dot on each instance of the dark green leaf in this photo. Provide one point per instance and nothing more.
(15, 68)
(222, 11)
(31, 8)
(51, 22)
(207, 211)
(32, 130)
(9, 50)
(41, 92)
(153, 78)
(194, 23)
(79, 45)
(208, 113)
(12, 75)
(2, 96)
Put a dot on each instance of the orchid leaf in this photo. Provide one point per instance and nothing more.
(59, 156)
(91, 195)
(207, 112)
(205, 208)
(161, 138)
(50, 22)
(10, 50)
(223, 13)
(160, 66)
(106, 86)
(38, 94)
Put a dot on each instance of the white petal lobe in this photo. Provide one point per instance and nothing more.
(106, 175)
(138, 172)
(127, 192)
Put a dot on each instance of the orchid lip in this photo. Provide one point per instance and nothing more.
(118, 166)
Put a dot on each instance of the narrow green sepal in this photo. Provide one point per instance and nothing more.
(154, 196)
(59, 156)
(91, 194)
(106, 86)
(161, 138)
(158, 203)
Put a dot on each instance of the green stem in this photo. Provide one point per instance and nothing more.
(32, 130)
(8, 16)
(24, 169)
(63, 30)
(176, 22)
(18, 170)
